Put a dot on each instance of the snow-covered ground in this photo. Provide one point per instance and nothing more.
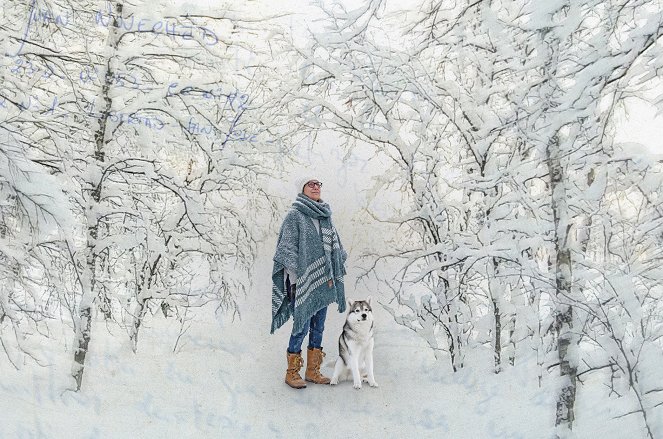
(226, 381)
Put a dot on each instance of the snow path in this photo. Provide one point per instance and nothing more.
(227, 381)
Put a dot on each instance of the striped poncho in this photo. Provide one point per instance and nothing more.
(314, 257)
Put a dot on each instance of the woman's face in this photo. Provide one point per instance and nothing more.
(312, 190)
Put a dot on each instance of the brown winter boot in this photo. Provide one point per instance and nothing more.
(314, 358)
(292, 377)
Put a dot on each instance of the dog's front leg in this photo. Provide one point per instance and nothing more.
(369, 366)
(338, 369)
(356, 376)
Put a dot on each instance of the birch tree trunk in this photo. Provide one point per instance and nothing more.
(92, 198)
(495, 298)
(563, 315)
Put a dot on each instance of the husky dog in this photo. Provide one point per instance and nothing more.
(355, 346)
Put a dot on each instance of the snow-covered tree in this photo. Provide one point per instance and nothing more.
(150, 124)
(33, 212)
(494, 117)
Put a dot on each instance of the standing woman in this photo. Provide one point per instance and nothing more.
(307, 277)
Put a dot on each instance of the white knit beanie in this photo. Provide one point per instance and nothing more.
(301, 181)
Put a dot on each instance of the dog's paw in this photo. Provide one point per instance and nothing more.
(357, 385)
(334, 381)
(373, 384)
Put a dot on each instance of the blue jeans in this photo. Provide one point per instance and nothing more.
(315, 327)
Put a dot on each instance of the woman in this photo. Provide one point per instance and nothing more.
(307, 277)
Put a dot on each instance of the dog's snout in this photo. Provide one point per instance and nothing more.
(363, 316)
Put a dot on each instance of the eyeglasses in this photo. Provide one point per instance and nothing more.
(313, 184)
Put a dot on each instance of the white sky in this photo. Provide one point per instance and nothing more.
(641, 124)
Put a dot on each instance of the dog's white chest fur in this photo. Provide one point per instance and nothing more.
(355, 346)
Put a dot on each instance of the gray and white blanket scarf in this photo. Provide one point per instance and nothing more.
(314, 257)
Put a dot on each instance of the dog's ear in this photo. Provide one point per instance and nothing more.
(350, 303)
(368, 299)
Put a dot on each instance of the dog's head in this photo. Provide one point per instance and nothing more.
(360, 310)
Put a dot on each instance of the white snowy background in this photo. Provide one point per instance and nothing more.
(173, 259)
